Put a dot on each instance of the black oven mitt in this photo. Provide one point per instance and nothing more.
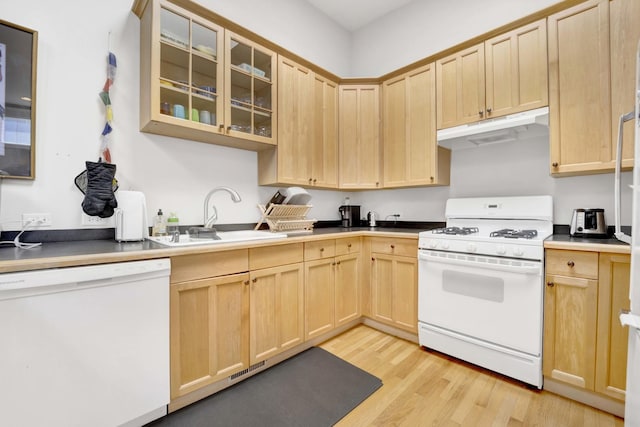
(99, 199)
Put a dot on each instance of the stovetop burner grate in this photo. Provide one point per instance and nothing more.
(514, 234)
(456, 230)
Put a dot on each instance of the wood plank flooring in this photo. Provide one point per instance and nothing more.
(423, 388)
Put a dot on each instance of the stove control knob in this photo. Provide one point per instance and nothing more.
(472, 247)
(445, 245)
(433, 244)
(501, 250)
(518, 252)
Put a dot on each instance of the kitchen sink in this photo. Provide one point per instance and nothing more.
(223, 237)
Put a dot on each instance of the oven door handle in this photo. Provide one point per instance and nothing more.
(523, 269)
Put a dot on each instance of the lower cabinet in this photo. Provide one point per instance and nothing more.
(332, 284)
(276, 310)
(584, 344)
(209, 318)
(394, 283)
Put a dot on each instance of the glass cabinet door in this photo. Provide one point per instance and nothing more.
(189, 68)
(250, 89)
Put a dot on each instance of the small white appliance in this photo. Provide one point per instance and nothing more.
(131, 217)
(481, 283)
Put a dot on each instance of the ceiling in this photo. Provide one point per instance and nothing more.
(354, 14)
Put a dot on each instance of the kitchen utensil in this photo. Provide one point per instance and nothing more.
(588, 223)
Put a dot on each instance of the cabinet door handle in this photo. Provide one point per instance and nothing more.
(550, 284)
(221, 127)
(338, 262)
(373, 259)
(349, 245)
(489, 110)
(314, 180)
(393, 246)
(310, 180)
(246, 282)
(554, 164)
(255, 279)
(228, 129)
(481, 113)
(321, 249)
(571, 264)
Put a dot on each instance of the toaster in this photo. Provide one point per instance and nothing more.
(588, 223)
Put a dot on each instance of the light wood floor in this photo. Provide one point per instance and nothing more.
(422, 388)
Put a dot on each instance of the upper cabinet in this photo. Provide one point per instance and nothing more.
(504, 75)
(201, 82)
(624, 33)
(359, 125)
(411, 155)
(579, 88)
(591, 84)
(307, 151)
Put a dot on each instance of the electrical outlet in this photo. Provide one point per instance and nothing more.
(36, 219)
(96, 221)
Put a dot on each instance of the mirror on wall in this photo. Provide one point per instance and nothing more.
(18, 57)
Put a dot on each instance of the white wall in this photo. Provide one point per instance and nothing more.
(176, 174)
(424, 27)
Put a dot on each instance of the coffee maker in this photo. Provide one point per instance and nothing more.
(350, 215)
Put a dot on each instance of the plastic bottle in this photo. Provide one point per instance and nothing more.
(159, 226)
(173, 224)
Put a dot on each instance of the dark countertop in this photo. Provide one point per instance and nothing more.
(96, 251)
(565, 241)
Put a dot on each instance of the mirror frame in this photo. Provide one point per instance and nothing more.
(27, 57)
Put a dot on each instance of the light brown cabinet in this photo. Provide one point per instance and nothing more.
(209, 319)
(580, 89)
(307, 151)
(584, 344)
(202, 82)
(504, 75)
(624, 33)
(410, 152)
(611, 348)
(332, 284)
(276, 310)
(359, 140)
(394, 282)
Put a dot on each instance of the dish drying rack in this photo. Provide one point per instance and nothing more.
(286, 218)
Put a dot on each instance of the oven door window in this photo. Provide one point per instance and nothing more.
(495, 305)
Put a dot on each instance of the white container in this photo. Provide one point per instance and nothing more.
(131, 216)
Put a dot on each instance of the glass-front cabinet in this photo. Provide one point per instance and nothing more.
(199, 81)
(250, 84)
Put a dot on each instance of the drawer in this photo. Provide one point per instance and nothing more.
(272, 256)
(347, 246)
(319, 249)
(572, 263)
(402, 247)
(201, 266)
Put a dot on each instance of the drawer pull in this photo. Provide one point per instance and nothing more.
(338, 263)
(246, 282)
(349, 245)
(321, 249)
(571, 264)
(550, 284)
(393, 246)
(255, 279)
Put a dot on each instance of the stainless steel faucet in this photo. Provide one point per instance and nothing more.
(209, 220)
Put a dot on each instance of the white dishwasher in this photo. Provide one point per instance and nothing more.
(85, 346)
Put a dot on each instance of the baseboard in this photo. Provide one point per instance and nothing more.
(598, 401)
(382, 327)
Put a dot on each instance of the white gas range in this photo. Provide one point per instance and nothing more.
(480, 283)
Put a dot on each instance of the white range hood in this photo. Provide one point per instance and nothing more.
(513, 127)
